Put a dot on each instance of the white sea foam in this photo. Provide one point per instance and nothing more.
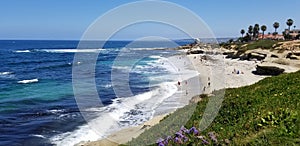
(28, 81)
(22, 51)
(38, 135)
(56, 111)
(71, 50)
(155, 57)
(107, 86)
(142, 49)
(6, 73)
(83, 133)
(110, 118)
(125, 68)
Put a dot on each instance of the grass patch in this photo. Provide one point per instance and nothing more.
(263, 44)
(266, 113)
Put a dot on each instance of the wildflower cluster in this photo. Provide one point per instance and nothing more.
(188, 136)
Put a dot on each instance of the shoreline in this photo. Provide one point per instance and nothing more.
(231, 73)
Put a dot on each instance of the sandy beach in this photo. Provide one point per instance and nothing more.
(215, 72)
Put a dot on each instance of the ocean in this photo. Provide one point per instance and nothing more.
(37, 103)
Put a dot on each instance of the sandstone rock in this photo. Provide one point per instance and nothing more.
(268, 70)
(196, 52)
(292, 56)
(274, 56)
(257, 56)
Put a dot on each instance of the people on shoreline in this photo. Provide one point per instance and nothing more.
(237, 72)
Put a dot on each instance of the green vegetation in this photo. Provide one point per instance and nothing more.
(276, 26)
(242, 47)
(242, 32)
(266, 113)
(289, 23)
(263, 29)
(263, 44)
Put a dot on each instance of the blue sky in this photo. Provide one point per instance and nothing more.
(66, 19)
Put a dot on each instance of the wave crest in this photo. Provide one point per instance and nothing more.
(28, 81)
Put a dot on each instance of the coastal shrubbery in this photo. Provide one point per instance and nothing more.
(266, 113)
(263, 44)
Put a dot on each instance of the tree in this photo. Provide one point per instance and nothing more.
(290, 22)
(276, 26)
(263, 29)
(242, 32)
(256, 30)
(250, 30)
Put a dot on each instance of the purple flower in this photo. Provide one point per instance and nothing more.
(160, 140)
(194, 130)
(160, 144)
(179, 135)
(185, 139)
(177, 140)
(169, 138)
(183, 129)
(205, 141)
(166, 142)
(213, 137)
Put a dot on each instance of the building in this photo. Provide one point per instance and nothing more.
(271, 36)
(294, 33)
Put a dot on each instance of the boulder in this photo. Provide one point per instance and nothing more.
(234, 55)
(195, 52)
(297, 53)
(257, 56)
(228, 53)
(292, 56)
(268, 70)
(274, 56)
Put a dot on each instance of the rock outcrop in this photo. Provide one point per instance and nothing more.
(268, 70)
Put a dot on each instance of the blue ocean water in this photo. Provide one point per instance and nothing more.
(36, 96)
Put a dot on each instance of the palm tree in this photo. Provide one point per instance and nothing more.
(289, 22)
(276, 25)
(250, 30)
(242, 32)
(256, 30)
(263, 29)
